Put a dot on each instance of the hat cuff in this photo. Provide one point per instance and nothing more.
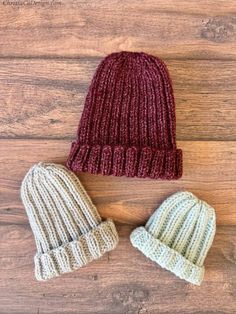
(75, 254)
(166, 257)
(121, 160)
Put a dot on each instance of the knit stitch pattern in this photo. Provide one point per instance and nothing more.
(128, 123)
(67, 227)
(178, 236)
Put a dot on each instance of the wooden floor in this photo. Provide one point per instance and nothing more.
(48, 54)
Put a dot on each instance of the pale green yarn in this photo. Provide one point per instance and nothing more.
(67, 227)
(178, 236)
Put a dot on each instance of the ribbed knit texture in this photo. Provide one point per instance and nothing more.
(128, 122)
(67, 228)
(178, 236)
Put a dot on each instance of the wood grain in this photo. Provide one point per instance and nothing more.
(45, 98)
(202, 30)
(209, 172)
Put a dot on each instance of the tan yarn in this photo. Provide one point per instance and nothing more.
(68, 230)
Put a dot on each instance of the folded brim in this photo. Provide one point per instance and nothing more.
(77, 253)
(141, 162)
(166, 257)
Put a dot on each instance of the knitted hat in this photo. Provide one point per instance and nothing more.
(178, 236)
(128, 123)
(67, 228)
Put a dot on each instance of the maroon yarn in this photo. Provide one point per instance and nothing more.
(128, 122)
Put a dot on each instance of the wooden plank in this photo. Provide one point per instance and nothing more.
(123, 281)
(189, 30)
(45, 98)
(209, 172)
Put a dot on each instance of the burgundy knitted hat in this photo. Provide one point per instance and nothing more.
(128, 122)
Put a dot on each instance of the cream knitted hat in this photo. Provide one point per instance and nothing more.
(67, 228)
(178, 236)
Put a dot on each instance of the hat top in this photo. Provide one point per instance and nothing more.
(55, 199)
(186, 224)
(130, 102)
(135, 64)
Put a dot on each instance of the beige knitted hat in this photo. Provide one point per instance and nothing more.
(178, 236)
(68, 230)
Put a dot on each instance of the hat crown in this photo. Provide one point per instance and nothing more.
(130, 102)
(185, 224)
(57, 205)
